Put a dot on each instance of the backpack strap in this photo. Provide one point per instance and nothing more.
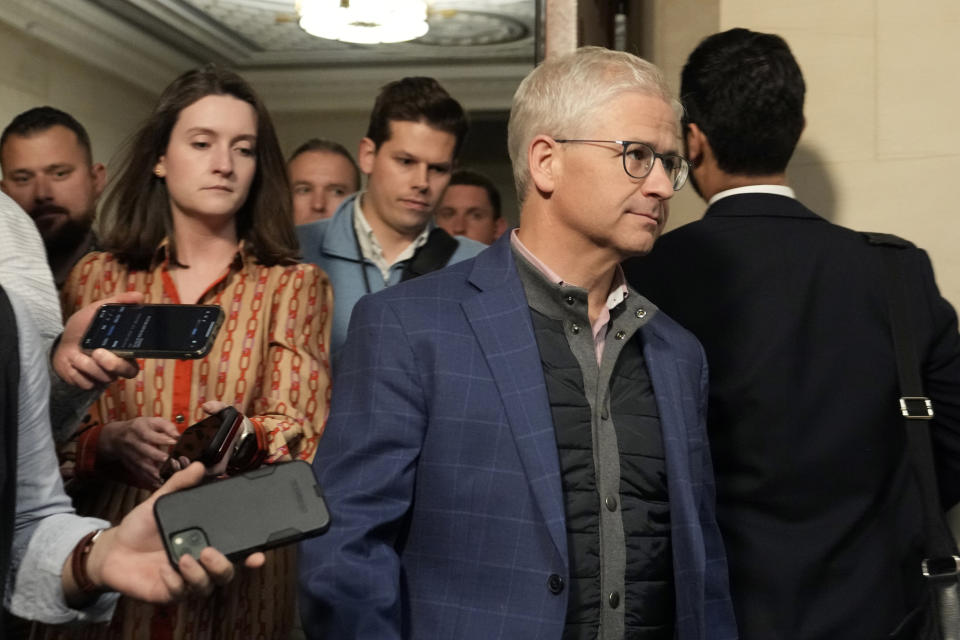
(433, 255)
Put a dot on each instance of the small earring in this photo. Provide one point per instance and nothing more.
(158, 172)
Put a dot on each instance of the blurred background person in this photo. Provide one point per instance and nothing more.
(322, 175)
(386, 233)
(48, 169)
(201, 213)
(471, 207)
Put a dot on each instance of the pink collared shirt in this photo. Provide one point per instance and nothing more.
(618, 293)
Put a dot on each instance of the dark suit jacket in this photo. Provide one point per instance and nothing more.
(816, 501)
(440, 467)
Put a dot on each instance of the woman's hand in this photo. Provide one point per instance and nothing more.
(100, 367)
(212, 407)
(140, 445)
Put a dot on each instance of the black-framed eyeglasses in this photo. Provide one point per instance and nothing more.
(639, 158)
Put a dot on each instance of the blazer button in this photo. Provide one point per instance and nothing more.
(555, 583)
(179, 418)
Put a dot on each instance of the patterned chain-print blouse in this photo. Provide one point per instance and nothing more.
(270, 361)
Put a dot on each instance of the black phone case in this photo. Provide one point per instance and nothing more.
(184, 354)
(265, 508)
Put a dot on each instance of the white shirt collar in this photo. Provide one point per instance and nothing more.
(369, 246)
(773, 189)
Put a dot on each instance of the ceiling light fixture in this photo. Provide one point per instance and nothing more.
(364, 21)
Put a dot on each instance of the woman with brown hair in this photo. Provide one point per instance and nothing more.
(201, 213)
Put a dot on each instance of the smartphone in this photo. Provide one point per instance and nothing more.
(154, 330)
(207, 441)
(272, 506)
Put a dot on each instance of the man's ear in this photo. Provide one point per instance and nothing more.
(499, 227)
(366, 154)
(695, 143)
(99, 174)
(544, 163)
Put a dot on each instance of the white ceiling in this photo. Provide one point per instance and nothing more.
(479, 49)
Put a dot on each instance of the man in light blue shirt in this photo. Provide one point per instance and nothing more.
(386, 233)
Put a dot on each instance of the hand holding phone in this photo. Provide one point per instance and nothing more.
(130, 557)
(274, 505)
(154, 330)
(209, 441)
(140, 445)
(85, 369)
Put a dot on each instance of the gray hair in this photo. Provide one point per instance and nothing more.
(558, 97)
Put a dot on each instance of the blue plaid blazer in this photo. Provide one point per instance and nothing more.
(440, 468)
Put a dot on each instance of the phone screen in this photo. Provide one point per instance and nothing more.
(180, 330)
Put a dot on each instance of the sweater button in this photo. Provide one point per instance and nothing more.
(569, 300)
(614, 600)
(575, 328)
(555, 584)
(611, 503)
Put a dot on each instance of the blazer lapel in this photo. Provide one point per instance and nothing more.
(500, 319)
(677, 406)
(661, 357)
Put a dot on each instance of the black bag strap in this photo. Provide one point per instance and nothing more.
(433, 255)
(917, 410)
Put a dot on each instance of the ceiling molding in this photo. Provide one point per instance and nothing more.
(133, 39)
(182, 28)
(97, 37)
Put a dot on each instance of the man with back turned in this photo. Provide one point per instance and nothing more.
(817, 499)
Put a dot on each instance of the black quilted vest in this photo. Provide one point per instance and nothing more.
(648, 599)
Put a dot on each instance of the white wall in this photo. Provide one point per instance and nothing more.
(33, 74)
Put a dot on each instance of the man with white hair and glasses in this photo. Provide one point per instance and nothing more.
(516, 444)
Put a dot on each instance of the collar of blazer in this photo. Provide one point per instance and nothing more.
(760, 205)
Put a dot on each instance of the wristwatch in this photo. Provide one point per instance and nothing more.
(246, 451)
